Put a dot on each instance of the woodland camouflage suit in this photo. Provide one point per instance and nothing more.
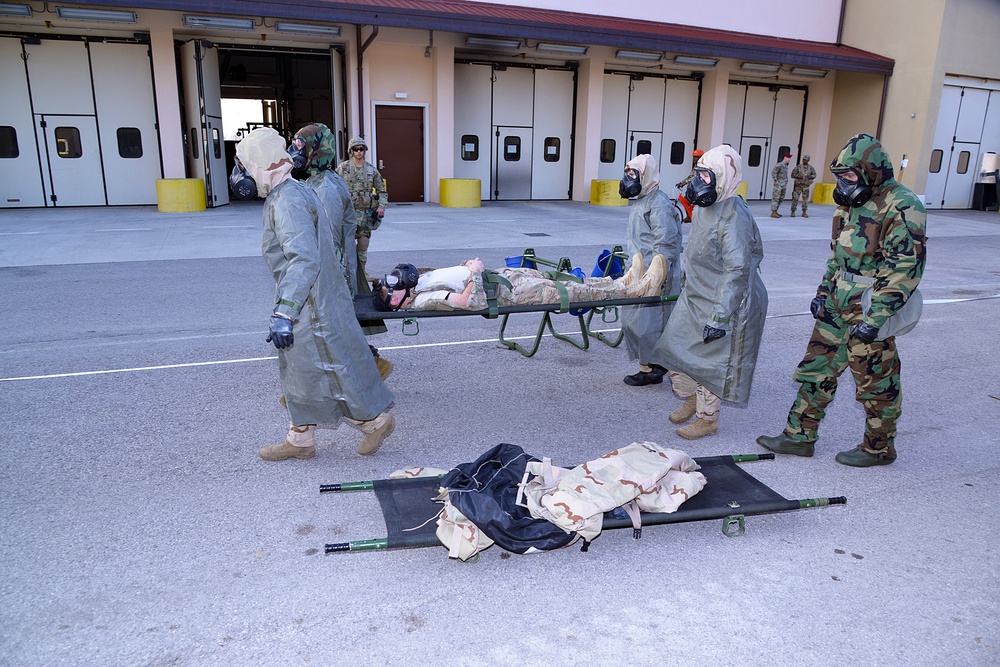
(882, 243)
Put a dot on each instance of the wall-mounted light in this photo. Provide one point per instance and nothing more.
(645, 56)
(308, 28)
(809, 71)
(106, 15)
(14, 10)
(494, 43)
(562, 49)
(760, 68)
(694, 61)
(221, 22)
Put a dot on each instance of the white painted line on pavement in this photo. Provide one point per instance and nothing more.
(20, 233)
(135, 229)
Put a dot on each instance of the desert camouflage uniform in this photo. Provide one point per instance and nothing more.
(803, 175)
(881, 241)
(368, 194)
(780, 177)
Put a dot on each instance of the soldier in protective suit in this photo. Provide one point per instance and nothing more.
(711, 340)
(654, 228)
(313, 150)
(327, 371)
(877, 242)
(367, 192)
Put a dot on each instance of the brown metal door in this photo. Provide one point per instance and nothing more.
(399, 133)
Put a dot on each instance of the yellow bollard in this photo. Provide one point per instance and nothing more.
(742, 189)
(605, 193)
(461, 192)
(180, 195)
(823, 193)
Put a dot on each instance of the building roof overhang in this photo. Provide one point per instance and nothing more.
(463, 16)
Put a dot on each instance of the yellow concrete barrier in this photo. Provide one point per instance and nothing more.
(461, 192)
(823, 193)
(742, 189)
(180, 195)
(605, 193)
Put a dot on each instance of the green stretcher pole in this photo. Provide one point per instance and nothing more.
(358, 545)
(347, 486)
(742, 458)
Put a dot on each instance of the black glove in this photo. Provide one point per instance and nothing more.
(865, 332)
(281, 332)
(817, 306)
(711, 333)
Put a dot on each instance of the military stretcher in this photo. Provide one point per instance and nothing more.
(583, 311)
(731, 494)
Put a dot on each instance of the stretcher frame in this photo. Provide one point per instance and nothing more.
(731, 494)
(606, 308)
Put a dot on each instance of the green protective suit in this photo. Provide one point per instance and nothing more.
(881, 242)
(329, 371)
(654, 227)
(721, 288)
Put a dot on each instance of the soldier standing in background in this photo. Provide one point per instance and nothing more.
(878, 244)
(803, 175)
(780, 177)
(368, 194)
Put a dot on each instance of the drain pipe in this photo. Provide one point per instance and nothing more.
(840, 26)
(881, 106)
(361, 81)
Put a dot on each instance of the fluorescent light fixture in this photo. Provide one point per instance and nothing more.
(14, 10)
(222, 22)
(809, 71)
(492, 43)
(760, 68)
(563, 49)
(308, 28)
(645, 56)
(106, 15)
(693, 61)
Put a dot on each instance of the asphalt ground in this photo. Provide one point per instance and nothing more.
(139, 526)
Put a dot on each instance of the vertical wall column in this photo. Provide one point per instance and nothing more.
(587, 142)
(712, 120)
(442, 117)
(168, 104)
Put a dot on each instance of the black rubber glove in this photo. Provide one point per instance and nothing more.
(817, 307)
(865, 332)
(281, 332)
(711, 333)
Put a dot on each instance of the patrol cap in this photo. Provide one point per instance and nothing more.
(806, 158)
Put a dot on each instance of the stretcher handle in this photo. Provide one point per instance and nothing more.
(357, 545)
(347, 486)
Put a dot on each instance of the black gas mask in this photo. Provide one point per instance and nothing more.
(242, 186)
(630, 185)
(698, 191)
(851, 193)
(403, 277)
(298, 159)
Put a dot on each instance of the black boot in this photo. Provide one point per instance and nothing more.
(859, 458)
(782, 444)
(653, 376)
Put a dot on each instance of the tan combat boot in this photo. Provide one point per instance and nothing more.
(384, 367)
(635, 271)
(652, 281)
(685, 411)
(775, 214)
(804, 214)
(375, 430)
(300, 443)
(699, 428)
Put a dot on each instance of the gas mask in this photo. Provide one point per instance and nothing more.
(698, 191)
(851, 193)
(630, 185)
(298, 159)
(242, 186)
(403, 277)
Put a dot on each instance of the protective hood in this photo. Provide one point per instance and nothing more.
(314, 148)
(263, 155)
(727, 165)
(650, 174)
(864, 155)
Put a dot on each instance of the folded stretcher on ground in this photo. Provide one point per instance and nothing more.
(410, 508)
(583, 311)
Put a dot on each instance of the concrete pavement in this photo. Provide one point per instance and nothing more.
(140, 527)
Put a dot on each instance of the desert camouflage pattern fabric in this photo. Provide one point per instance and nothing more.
(655, 478)
(802, 176)
(882, 240)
